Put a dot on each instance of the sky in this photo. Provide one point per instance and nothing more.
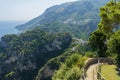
(25, 10)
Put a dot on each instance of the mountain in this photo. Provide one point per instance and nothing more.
(46, 41)
(78, 18)
(21, 56)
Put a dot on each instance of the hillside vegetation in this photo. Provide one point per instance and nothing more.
(22, 55)
(76, 48)
(78, 18)
(47, 49)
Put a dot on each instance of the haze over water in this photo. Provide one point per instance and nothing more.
(8, 27)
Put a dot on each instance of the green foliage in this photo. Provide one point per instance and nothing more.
(108, 25)
(74, 74)
(114, 42)
(73, 60)
(106, 40)
(90, 54)
(114, 45)
(108, 35)
(97, 41)
(70, 74)
(27, 52)
(71, 69)
(110, 17)
(10, 74)
(55, 63)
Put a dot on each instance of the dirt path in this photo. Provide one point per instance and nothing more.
(91, 73)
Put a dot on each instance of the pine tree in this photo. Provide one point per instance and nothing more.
(110, 17)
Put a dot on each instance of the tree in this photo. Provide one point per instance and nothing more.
(110, 17)
(108, 36)
(97, 41)
(114, 45)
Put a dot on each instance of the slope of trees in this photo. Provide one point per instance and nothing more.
(79, 18)
(22, 55)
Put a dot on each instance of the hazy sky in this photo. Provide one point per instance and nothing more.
(24, 10)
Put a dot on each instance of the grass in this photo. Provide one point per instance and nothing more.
(110, 72)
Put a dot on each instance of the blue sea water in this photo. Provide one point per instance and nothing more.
(8, 27)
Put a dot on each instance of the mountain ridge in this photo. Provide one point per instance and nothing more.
(76, 18)
(38, 52)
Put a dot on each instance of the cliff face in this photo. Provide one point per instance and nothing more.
(22, 55)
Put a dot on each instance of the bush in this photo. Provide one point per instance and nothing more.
(71, 69)
(74, 74)
(90, 54)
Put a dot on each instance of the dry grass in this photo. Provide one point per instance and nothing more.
(110, 72)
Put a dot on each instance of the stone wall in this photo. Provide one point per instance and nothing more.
(95, 61)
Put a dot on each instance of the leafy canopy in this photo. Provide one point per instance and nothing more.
(110, 17)
(97, 41)
(114, 45)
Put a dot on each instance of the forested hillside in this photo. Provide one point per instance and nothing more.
(79, 18)
(21, 56)
(49, 47)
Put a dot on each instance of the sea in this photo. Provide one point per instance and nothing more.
(8, 27)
